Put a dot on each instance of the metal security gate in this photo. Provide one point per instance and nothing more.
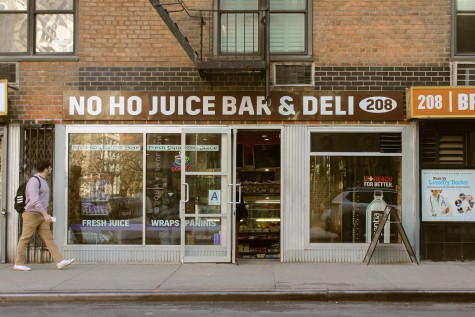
(36, 144)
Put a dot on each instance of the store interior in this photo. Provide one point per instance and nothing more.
(258, 170)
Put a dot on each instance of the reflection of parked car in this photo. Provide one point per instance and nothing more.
(348, 211)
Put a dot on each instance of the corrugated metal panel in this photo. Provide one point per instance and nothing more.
(294, 197)
(350, 254)
(13, 172)
(205, 253)
(120, 254)
(124, 255)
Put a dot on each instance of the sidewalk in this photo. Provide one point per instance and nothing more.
(256, 280)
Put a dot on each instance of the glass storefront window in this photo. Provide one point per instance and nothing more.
(105, 188)
(114, 199)
(164, 164)
(204, 152)
(348, 193)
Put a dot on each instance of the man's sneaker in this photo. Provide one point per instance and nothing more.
(21, 268)
(64, 263)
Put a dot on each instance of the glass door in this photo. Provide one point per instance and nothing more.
(205, 208)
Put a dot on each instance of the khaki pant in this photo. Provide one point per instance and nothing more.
(33, 222)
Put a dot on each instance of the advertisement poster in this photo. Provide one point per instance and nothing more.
(447, 195)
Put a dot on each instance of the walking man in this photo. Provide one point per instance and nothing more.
(36, 219)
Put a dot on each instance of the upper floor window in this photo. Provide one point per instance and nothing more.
(241, 30)
(288, 20)
(37, 27)
(464, 27)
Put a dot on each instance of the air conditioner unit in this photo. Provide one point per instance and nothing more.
(290, 74)
(10, 71)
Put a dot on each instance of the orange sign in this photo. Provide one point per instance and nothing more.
(442, 102)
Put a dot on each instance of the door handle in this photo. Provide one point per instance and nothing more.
(187, 193)
(230, 200)
(238, 198)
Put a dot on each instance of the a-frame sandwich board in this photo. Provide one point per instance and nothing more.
(389, 211)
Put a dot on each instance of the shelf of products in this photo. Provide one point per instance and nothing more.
(259, 183)
(259, 233)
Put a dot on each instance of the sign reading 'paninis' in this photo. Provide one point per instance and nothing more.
(330, 105)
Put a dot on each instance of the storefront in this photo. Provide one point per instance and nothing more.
(162, 130)
(170, 192)
(125, 188)
(447, 171)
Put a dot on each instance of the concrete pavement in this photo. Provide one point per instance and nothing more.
(257, 280)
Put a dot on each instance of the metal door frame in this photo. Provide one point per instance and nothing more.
(3, 198)
(226, 173)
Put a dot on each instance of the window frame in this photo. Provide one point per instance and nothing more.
(31, 53)
(454, 52)
(261, 6)
(404, 170)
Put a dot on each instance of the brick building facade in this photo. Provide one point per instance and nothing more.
(125, 48)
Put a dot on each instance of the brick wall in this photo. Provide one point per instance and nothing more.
(39, 98)
(326, 78)
(173, 78)
(382, 33)
(380, 77)
(125, 45)
(126, 33)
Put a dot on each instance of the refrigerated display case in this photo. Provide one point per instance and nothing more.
(259, 233)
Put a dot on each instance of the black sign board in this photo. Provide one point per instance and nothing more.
(389, 212)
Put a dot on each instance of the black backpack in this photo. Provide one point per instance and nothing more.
(20, 198)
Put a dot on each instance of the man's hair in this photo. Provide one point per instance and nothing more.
(42, 165)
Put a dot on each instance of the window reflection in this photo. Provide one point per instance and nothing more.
(51, 24)
(105, 188)
(54, 33)
(164, 164)
(348, 196)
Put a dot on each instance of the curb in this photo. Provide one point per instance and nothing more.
(462, 296)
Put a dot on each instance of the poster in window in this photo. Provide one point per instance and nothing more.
(447, 195)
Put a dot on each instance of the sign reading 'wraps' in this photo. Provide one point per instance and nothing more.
(333, 105)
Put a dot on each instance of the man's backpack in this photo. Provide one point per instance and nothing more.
(20, 198)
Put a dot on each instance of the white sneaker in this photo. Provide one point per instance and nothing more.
(64, 263)
(21, 268)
